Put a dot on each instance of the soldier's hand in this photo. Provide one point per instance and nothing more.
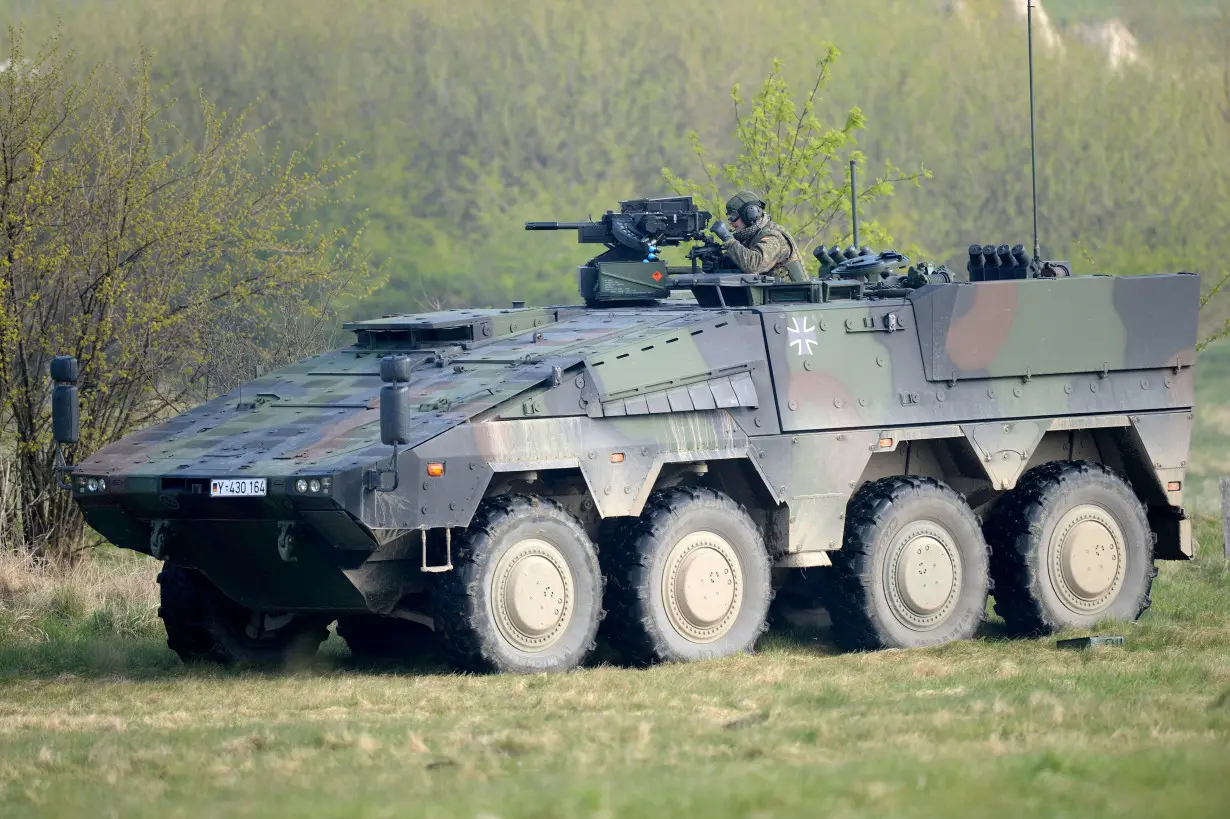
(721, 230)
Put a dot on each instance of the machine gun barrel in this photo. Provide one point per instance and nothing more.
(557, 225)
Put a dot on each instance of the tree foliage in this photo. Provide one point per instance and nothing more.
(169, 264)
(474, 116)
(788, 156)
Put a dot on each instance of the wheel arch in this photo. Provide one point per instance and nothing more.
(986, 460)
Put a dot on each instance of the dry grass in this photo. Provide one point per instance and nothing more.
(110, 594)
(95, 725)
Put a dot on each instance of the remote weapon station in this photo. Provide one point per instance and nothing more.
(662, 458)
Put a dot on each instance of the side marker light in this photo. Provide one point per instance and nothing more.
(435, 470)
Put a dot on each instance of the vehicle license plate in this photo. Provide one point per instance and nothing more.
(237, 488)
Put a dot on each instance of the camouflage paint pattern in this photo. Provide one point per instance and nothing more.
(977, 382)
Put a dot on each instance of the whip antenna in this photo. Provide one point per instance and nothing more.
(854, 204)
(1033, 149)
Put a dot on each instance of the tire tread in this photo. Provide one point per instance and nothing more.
(849, 587)
(1017, 521)
(633, 629)
(461, 622)
(188, 610)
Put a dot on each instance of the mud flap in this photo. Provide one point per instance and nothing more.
(1174, 534)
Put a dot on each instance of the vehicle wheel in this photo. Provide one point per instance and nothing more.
(690, 581)
(203, 625)
(370, 637)
(912, 569)
(185, 614)
(1070, 546)
(525, 593)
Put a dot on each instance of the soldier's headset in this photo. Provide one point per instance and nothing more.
(749, 213)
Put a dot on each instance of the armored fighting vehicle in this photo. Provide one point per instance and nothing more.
(669, 453)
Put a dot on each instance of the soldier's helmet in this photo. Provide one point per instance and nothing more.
(746, 205)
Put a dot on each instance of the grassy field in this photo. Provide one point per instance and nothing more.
(1210, 449)
(97, 718)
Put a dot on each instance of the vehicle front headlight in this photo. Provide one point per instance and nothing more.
(89, 484)
(314, 486)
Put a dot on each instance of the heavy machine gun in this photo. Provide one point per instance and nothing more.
(631, 270)
(640, 227)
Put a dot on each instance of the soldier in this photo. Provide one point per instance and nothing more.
(757, 245)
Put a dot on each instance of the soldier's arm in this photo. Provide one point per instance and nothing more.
(761, 257)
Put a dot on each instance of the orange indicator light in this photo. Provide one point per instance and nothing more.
(1174, 486)
(435, 470)
(886, 443)
(617, 457)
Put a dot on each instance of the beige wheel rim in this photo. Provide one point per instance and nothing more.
(923, 575)
(533, 595)
(702, 586)
(1088, 559)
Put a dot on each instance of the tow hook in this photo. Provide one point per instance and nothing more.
(286, 541)
(160, 539)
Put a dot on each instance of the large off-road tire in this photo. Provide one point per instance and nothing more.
(1070, 546)
(370, 637)
(525, 593)
(184, 611)
(912, 570)
(690, 581)
(203, 625)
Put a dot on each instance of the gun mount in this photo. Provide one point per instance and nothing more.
(630, 271)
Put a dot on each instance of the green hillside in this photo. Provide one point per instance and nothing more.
(474, 116)
(1079, 11)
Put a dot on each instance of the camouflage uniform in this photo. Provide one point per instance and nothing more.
(762, 248)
